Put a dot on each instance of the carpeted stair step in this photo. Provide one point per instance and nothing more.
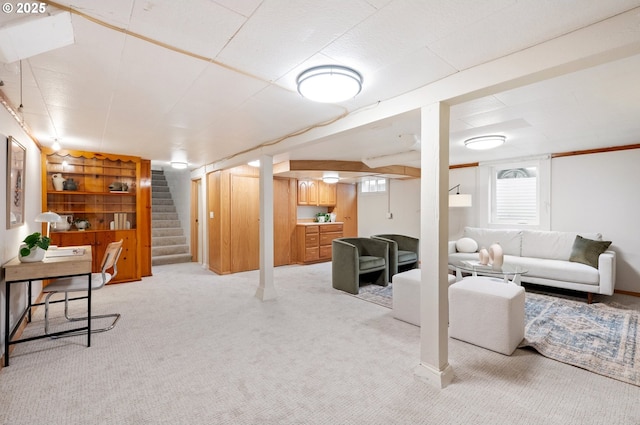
(169, 250)
(168, 243)
(167, 231)
(168, 240)
(170, 259)
(164, 216)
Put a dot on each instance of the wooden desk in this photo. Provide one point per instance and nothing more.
(51, 267)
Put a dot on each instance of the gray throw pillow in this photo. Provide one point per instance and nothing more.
(587, 251)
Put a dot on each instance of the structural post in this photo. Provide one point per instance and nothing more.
(434, 229)
(266, 290)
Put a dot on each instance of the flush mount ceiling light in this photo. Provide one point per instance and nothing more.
(330, 177)
(485, 142)
(179, 165)
(329, 83)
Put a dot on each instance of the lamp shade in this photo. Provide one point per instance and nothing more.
(329, 83)
(48, 217)
(460, 200)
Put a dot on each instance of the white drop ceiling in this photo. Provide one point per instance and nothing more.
(212, 80)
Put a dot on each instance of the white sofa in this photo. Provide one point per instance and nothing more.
(546, 255)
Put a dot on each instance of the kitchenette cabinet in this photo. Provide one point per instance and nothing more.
(316, 193)
(314, 241)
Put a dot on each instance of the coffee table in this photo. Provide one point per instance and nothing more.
(477, 269)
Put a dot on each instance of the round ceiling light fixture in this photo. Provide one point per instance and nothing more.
(485, 142)
(329, 83)
(178, 165)
(330, 177)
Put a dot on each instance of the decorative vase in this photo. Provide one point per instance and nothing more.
(484, 256)
(36, 254)
(58, 181)
(70, 184)
(496, 256)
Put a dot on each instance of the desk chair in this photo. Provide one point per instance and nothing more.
(79, 284)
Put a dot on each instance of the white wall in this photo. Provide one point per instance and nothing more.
(402, 199)
(10, 239)
(599, 193)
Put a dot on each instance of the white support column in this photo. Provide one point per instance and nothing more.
(266, 290)
(434, 228)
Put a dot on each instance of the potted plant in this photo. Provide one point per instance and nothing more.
(34, 248)
(82, 224)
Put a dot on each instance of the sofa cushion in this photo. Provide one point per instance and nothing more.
(509, 239)
(551, 244)
(587, 251)
(406, 257)
(368, 262)
(556, 270)
(466, 245)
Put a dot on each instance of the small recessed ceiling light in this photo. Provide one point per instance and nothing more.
(329, 83)
(485, 142)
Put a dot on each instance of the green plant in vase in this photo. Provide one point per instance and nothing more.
(34, 247)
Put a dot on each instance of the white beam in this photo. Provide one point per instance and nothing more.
(266, 290)
(434, 229)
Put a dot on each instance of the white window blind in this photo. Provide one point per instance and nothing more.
(516, 199)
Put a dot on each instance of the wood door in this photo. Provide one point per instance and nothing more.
(127, 264)
(245, 227)
(303, 192)
(195, 222)
(283, 223)
(346, 209)
(326, 194)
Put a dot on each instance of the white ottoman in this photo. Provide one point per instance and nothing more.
(487, 312)
(406, 295)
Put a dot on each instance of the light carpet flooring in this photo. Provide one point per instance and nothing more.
(196, 348)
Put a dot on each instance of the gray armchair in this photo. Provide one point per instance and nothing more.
(354, 257)
(403, 252)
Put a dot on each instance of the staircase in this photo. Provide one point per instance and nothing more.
(168, 242)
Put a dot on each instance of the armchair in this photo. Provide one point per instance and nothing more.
(403, 252)
(354, 257)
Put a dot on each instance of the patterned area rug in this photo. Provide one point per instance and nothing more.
(601, 338)
(597, 337)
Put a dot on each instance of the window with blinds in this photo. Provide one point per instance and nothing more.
(516, 196)
(373, 184)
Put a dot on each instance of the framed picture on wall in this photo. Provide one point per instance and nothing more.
(16, 154)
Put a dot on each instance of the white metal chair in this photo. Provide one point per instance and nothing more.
(79, 284)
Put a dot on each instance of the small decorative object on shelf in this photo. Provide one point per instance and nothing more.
(58, 181)
(34, 248)
(70, 184)
(118, 187)
(82, 224)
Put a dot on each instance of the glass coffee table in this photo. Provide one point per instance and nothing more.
(477, 269)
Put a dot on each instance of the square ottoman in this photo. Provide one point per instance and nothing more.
(487, 312)
(406, 295)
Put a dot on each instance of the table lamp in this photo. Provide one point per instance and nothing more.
(48, 217)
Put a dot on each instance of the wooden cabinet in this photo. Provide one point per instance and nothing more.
(105, 190)
(233, 226)
(346, 209)
(327, 194)
(314, 241)
(127, 264)
(316, 193)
